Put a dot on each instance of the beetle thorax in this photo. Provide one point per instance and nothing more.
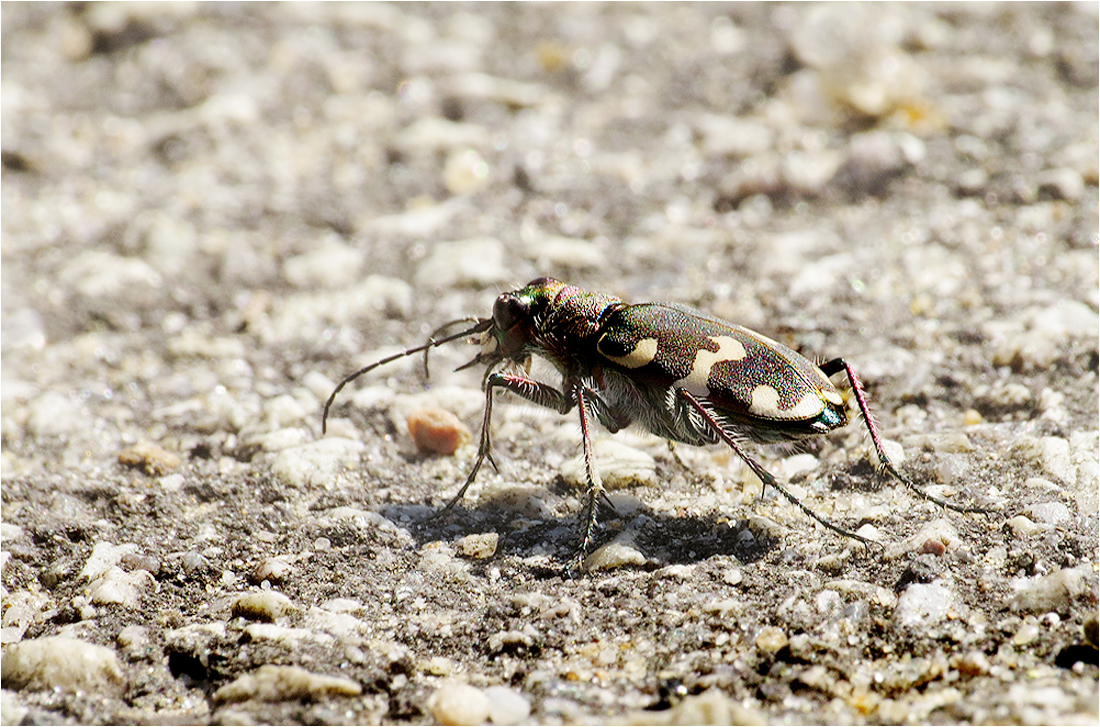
(570, 327)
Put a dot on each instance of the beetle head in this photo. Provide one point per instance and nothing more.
(512, 329)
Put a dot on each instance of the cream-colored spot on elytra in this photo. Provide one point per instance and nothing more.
(833, 397)
(643, 353)
(729, 349)
(765, 403)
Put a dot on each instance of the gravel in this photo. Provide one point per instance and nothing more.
(213, 213)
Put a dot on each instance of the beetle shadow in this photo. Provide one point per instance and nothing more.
(662, 538)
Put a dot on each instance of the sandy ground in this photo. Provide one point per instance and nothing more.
(211, 213)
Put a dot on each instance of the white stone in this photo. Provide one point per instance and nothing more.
(618, 465)
(105, 556)
(507, 706)
(1052, 512)
(621, 551)
(262, 605)
(456, 703)
(340, 625)
(97, 275)
(272, 683)
(116, 586)
(55, 662)
(317, 462)
(1055, 459)
(565, 252)
(478, 545)
(1053, 592)
(923, 605)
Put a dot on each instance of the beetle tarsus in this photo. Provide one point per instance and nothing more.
(838, 365)
(593, 486)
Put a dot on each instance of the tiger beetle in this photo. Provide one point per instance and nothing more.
(681, 374)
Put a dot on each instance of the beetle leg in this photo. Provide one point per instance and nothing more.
(533, 391)
(837, 365)
(585, 399)
(765, 477)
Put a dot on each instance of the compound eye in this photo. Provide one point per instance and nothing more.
(508, 311)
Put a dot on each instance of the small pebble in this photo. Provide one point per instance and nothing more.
(54, 414)
(972, 417)
(286, 636)
(933, 546)
(1056, 459)
(193, 562)
(1062, 183)
(104, 557)
(455, 703)
(797, 464)
(620, 552)
(437, 431)
(771, 640)
(133, 636)
(817, 677)
(150, 458)
(477, 263)
(1023, 526)
(733, 136)
(973, 664)
(343, 626)
(502, 640)
(569, 253)
(10, 531)
(283, 412)
(272, 683)
(116, 586)
(332, 265)
(940, 529)
(875, 158)
(922, 605)
(439, 666)
(439, 557)
(478, 545)
(1092, 631)
(507, 706)
(1027, 633)
(140, 561)
(262, 606)
(273, 570)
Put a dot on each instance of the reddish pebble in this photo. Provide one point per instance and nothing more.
(933, 546)
(437, 431)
